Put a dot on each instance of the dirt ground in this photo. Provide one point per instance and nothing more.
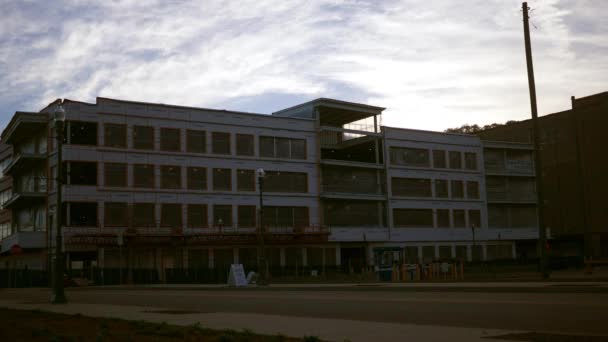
(18, 325)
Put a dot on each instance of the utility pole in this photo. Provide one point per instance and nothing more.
(542, 233)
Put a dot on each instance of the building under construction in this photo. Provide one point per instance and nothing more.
(165, 191)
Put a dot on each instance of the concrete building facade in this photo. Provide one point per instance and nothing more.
(160, 187)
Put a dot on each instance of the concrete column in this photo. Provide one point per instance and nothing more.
(419, 253)
(469, 253)
(370, 255)
(436, 251)
(282, 256)
(159, 263)
(101, 257)
(304, 257)
(235, 255)
(211, 261)
(453, 251)
(484, 252)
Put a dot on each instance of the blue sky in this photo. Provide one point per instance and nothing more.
(433, 64)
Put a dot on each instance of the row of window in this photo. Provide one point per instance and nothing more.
(143, 138)
(419, 157)
(5, 230)
(438, 218)
(422, 187)
(121, 214)
(5, 196)
(171, 177)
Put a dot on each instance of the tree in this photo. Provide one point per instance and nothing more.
(473, 129)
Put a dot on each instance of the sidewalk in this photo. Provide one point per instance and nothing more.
(326, 329)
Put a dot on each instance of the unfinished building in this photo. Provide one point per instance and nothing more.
(168, 191)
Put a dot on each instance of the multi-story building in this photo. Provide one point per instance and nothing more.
(574, 166)
(160, 187)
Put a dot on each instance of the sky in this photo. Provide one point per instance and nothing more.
(432, 64)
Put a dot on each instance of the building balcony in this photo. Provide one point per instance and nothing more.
(22, 125)
(25, 161)
(24, 199)
(505, 197)
(510, 168)
(25, 240)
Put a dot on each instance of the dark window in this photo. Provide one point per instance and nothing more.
(284, 148)
(144, 215)
(245, 180)
(220, 142)
(441, 188)
(171, 215)
(82, 173)
(115, 174)
(143, 176)
(197, 178)
(170, 139)
(457, 189)
(475, 218)
(244, 144)
(439, 159)
(470, 160)
(443, 218)
(115, 135)
(279, 181)
(455, 160)
(222, 215)
(222, 179)
(298, 149)
(472, 190)
(196, 141)
(411, 187)
(82, 133)
(286, 217)
(83, 214)
(415, 218)
(170, 177)
(459, 218)
(197, 216)
(143, 137)
(266, 147)
(116, 214)
(247, 215)
(410, 156)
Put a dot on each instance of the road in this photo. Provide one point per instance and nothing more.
(573, 312)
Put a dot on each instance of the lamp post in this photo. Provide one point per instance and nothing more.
(58, 295)
(261, 262)
(474, 243)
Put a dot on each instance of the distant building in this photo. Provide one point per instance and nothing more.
(179, 185)
(575, 169)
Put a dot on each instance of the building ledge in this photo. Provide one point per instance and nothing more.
(24, 199)
(353, 196)
(25, 240)
(348, 163)
(24, 160)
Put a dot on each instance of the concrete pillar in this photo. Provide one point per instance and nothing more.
(436, 251)
(370, 255)
(484, 252)
(420, 259)
(159, 263)
(211, 261)
(304, 257)
(235, 255)
(101, 257)
(469, 253)
(282, 256)
(453, 251)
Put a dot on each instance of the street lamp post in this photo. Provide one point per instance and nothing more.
(261, 262)
(58, 295)
(474, 243)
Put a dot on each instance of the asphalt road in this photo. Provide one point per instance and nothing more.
(576, 312)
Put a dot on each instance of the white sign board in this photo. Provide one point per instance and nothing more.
(236, 277)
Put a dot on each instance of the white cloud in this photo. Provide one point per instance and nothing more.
(432, 64)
